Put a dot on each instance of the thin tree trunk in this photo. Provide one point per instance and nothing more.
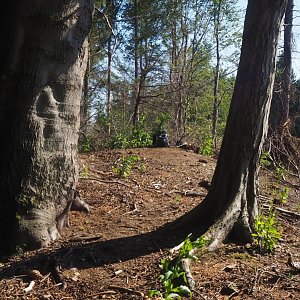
(111, 16)
(41, 84)
(174, 75)
(217, 73)
(287, 67)
(137, 98)
(108, 104)
(231, 204)
(85, 102)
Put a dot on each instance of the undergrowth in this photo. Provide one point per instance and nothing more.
(173, 276)
(266, 233)
(125, 165)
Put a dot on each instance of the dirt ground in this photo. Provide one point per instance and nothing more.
(114, 251)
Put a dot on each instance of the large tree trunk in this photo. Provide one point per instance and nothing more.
(231, 204)
(43, 60)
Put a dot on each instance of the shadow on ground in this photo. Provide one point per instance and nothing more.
(85, 255)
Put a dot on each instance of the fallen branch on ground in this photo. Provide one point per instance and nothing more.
(189, 193)
(127, 290)
(288, 212)
(106, 181)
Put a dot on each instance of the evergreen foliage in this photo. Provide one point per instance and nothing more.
(162, 63)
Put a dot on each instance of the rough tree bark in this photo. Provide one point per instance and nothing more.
(285, 95)
(43, 58)
(230, 206)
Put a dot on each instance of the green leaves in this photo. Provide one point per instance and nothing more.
(188, 246)
(207, 145)
(265, 159)
(266, 233)
(173, 277)
(123, 169)
(139, 137)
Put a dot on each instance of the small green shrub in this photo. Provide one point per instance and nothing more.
(207, 146)
(281, 195)
(160, 122)
(266, 233)
(119, 141)
(84, 171)
(280, 171)
(189, 245)
(136, 138)
(140, 137)
(265, 159)
(86, 145)
(123, 169)
(173, 273)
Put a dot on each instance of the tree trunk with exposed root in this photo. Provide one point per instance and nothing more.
(231, 205)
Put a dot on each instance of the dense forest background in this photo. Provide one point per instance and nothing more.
(169, 66)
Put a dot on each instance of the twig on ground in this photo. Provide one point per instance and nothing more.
(135, 181)
(98, 294)
(288, 212)
(101, 172)
(127, 290)
(30, 286)
(189, 193)
(85, 238)
(105, 181)
(199, 294)
(135, 209)
(115, 208)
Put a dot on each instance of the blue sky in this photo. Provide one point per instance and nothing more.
(296, 29)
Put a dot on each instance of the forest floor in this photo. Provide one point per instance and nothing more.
(114, 251)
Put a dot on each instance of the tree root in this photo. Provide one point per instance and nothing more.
(78, 204)
(186, 266)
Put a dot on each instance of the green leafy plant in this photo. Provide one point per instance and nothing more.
(207, 146)
(178, 198)
(266, 233)
(119, 141)
(280, 171)
(161, 121)
(140, 137)
(86, 145)
(188, 245)
(173, 277)
(265, 159)
(281, 195)
(84, 171)
(123, 169)
(142, 168)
